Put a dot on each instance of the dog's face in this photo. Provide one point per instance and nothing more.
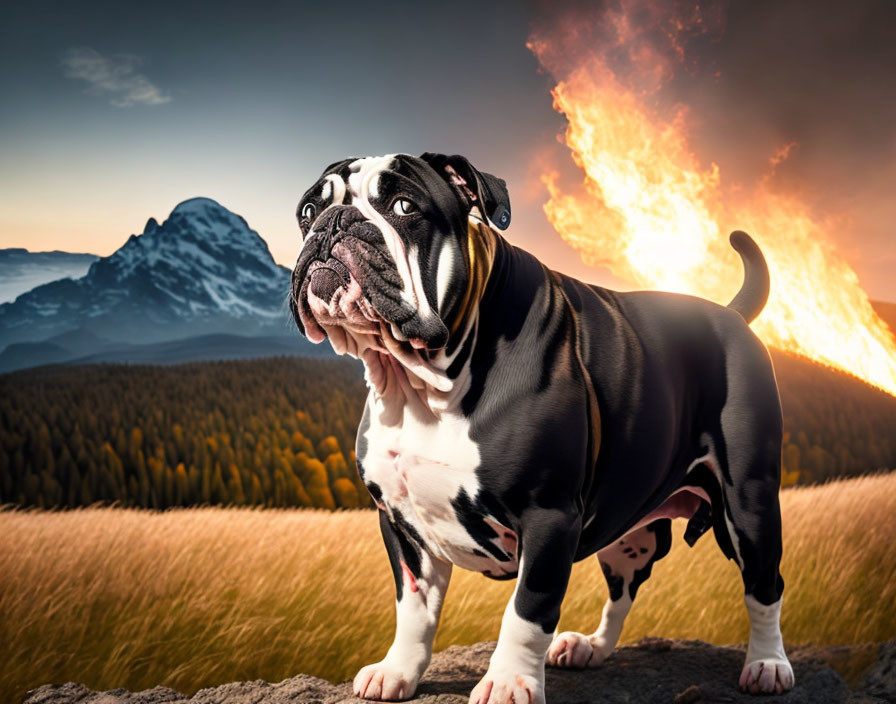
(384, 246)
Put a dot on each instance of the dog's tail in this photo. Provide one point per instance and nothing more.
(751, 298)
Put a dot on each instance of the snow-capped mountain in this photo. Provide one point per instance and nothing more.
(203, 270)
(21, 270)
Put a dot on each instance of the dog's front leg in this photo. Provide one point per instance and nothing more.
(421, 581)
(516, 670)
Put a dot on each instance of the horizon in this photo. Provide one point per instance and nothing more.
(160, 220)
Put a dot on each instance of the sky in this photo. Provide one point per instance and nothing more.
(115, 112)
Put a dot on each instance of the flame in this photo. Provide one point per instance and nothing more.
(649, 212)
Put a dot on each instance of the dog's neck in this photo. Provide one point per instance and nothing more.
(482, 243)
(434, 383)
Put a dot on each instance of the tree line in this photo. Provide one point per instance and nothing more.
(281, 432)
(835, 424)
(271, 433)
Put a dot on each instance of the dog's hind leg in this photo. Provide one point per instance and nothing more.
(421, 581)
(748, 468)
(626, 565)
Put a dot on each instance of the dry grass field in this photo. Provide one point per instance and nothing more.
(191, 598)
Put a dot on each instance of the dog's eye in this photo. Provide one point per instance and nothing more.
(308, 211)
(403, 206)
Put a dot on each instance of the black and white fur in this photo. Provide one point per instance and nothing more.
(519, 420)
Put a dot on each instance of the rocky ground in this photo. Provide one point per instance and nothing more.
(648, 672)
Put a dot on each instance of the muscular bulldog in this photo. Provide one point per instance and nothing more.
(519, 420)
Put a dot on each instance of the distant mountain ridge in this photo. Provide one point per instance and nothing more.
(21, 270)
(79, 347)
(202, 271)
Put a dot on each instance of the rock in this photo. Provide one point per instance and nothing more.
(656, 671)
(691, 695)
(71, 692)
(881, 678)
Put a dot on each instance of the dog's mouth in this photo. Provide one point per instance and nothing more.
(331, 295)
(345, 286)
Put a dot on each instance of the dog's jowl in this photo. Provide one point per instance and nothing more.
(519, 420)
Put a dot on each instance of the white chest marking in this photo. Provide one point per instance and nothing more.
(421, 464)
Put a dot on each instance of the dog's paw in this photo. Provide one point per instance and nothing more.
(385, 682)
(572, 650)
(577, 651)
(766, 676)
(503, 687)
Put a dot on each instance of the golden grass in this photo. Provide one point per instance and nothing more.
(192, 598)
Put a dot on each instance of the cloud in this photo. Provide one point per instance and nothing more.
(113, 76)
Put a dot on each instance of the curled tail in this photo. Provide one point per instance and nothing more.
(753, 294)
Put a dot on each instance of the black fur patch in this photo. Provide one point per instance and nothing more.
(662, 529)
(375, 491)
(471, 515)
(699, 523)
(407, 529)
(457, 364)
(399, 548)
(615, 582)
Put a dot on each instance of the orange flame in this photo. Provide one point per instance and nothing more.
(651, 214)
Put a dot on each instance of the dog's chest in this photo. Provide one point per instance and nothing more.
(424, 471)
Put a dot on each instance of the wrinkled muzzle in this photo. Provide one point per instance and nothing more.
(346, 278)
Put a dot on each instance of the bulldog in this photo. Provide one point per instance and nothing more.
(519, 420)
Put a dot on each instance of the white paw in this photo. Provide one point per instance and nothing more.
(766, 676)
(502, 687)
(571, 650)
(385, 682)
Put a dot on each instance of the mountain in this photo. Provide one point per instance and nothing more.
(202, 271)
(82, 347)
(21, 270)
(58, 349)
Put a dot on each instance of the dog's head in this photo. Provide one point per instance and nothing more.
(385, 247)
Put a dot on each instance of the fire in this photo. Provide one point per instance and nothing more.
(649, 211)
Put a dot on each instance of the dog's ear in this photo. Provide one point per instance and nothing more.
(476, 188)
